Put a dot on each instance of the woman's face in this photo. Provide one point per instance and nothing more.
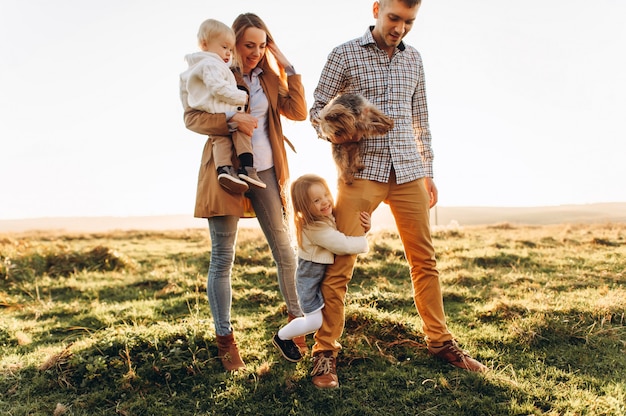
(251, 48)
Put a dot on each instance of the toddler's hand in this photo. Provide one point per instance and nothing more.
(366, 220)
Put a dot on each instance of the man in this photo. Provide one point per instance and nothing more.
(398, 171)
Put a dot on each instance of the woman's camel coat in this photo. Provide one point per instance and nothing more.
(211, 199)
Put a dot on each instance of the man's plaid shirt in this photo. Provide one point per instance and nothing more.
(395, 86)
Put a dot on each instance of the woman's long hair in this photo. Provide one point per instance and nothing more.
(301, 202)
(268, 62)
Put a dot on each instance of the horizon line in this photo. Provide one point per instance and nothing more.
(190, 214)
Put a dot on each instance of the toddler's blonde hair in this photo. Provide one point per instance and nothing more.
(211, 28)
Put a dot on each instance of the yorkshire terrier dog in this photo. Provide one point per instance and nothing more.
(346, 120)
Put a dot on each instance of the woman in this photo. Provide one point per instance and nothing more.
(272, 92)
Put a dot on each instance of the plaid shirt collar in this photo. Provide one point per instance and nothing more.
(368, 39)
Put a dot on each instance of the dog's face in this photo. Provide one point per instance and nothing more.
(349, 118)
(338, 124)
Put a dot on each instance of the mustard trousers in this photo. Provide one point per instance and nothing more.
(409, 205)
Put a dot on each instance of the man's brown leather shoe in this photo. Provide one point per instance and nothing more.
(453, 354)
(325, 370)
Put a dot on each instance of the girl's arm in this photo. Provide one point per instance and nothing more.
(335, 241)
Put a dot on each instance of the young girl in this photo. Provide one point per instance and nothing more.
(318, 242)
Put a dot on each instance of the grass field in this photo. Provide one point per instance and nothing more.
(118, 324)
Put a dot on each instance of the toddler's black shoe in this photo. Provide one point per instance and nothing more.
(288, 349)
(248, 174)
(227, 177)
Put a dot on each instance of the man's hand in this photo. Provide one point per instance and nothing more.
(429, 183)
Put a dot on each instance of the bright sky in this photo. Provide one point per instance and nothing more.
(527, 99)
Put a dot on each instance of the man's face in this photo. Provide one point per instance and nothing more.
(393, 21)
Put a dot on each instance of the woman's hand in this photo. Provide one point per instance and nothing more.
(246, 123)
(366, 220)
(280, 58)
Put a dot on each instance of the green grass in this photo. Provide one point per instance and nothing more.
(118, 324)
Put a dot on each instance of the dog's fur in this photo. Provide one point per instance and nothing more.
(346, 120)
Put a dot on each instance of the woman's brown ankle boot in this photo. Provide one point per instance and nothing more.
(299, 341)
(228, 352)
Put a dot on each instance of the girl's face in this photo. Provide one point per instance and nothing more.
(321, 200)
(251, 48)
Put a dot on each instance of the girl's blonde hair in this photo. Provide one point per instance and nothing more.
(268, 62)
(301, 202)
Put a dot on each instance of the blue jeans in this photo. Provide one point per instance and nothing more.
(223, 231)
(308, 280)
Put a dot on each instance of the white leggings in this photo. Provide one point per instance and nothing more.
(307, 324)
